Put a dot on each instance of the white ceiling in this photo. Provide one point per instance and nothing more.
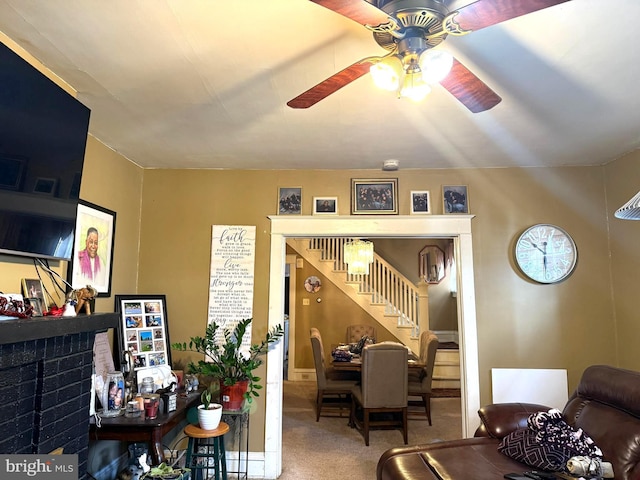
(204, 84)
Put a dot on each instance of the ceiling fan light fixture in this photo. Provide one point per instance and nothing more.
(386, 73)
(435, 65)
(413, 87)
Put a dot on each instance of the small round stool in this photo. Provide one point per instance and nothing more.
(199, 451)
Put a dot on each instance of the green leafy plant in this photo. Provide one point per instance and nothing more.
(225, 360)
(205, 398)
(164, 471)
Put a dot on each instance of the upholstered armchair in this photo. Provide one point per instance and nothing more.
(420, 386)
(356, 332)
(383, 390)
(329, 386)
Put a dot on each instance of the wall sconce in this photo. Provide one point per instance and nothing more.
(358, 255)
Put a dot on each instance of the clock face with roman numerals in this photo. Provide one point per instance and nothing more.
(546, 253)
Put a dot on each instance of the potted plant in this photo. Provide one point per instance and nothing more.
(209, 414)
(226, 361)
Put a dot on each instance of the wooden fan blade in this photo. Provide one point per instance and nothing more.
(358, 10)
(485, 13)
(472, 92)
(331, 85)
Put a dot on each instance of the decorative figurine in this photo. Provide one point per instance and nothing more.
(81, 297)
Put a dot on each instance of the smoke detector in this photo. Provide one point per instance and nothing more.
(390, 165)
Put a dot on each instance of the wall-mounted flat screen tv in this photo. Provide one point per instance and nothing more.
(43, 135)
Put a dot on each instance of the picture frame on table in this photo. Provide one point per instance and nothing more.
(325, 205)
(143, 330)
(289, 200)
(36, 304)
(455, 199)
(92, 261)
(420, 202)
(33, 288)
(371, 196)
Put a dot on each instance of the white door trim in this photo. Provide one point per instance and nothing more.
(457, 227)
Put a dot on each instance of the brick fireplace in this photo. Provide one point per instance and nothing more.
(45, 383)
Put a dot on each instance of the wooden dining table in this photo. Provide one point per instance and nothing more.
(355, 365)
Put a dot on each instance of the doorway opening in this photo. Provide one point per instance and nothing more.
(457, 227)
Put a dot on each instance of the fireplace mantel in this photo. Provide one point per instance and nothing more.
(25, 329)
(46, 364)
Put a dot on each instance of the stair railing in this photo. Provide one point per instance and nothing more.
(386, 285)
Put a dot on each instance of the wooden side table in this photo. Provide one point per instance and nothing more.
(144, 430)
(200, 454)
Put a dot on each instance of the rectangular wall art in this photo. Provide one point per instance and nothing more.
(374, 196)
(325, 205)
(455, 198)
(420, 202)
(289, 200)
(143, 330)
(93, 250)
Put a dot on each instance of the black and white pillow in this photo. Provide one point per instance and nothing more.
(548, 442)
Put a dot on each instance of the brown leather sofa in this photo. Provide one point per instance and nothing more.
(606, 405)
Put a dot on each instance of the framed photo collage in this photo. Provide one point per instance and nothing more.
(143, 329)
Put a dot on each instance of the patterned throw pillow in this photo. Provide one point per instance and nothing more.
(548, 442)
(522, 445)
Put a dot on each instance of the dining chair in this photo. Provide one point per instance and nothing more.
(356, 332)
(329, 383)
(420, 386)
(381, 398)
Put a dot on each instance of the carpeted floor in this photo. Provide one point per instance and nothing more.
(330, 449)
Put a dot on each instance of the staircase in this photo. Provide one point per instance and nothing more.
(385, 294)
(446, 373)
(388, 296)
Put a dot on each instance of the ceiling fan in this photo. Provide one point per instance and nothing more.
(409, 30)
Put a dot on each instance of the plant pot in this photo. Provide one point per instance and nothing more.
(232, 397)
(209, 419)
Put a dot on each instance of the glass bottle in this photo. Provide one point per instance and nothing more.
(147, 386)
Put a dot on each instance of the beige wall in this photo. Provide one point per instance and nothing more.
(622, 182)
(113, 182)
(331, 317)
(520, 324)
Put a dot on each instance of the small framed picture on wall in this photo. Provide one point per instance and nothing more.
(455, 198)
(325, 205)
(420, 202)
(289, 200)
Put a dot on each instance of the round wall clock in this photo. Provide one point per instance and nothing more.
(546, 253)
